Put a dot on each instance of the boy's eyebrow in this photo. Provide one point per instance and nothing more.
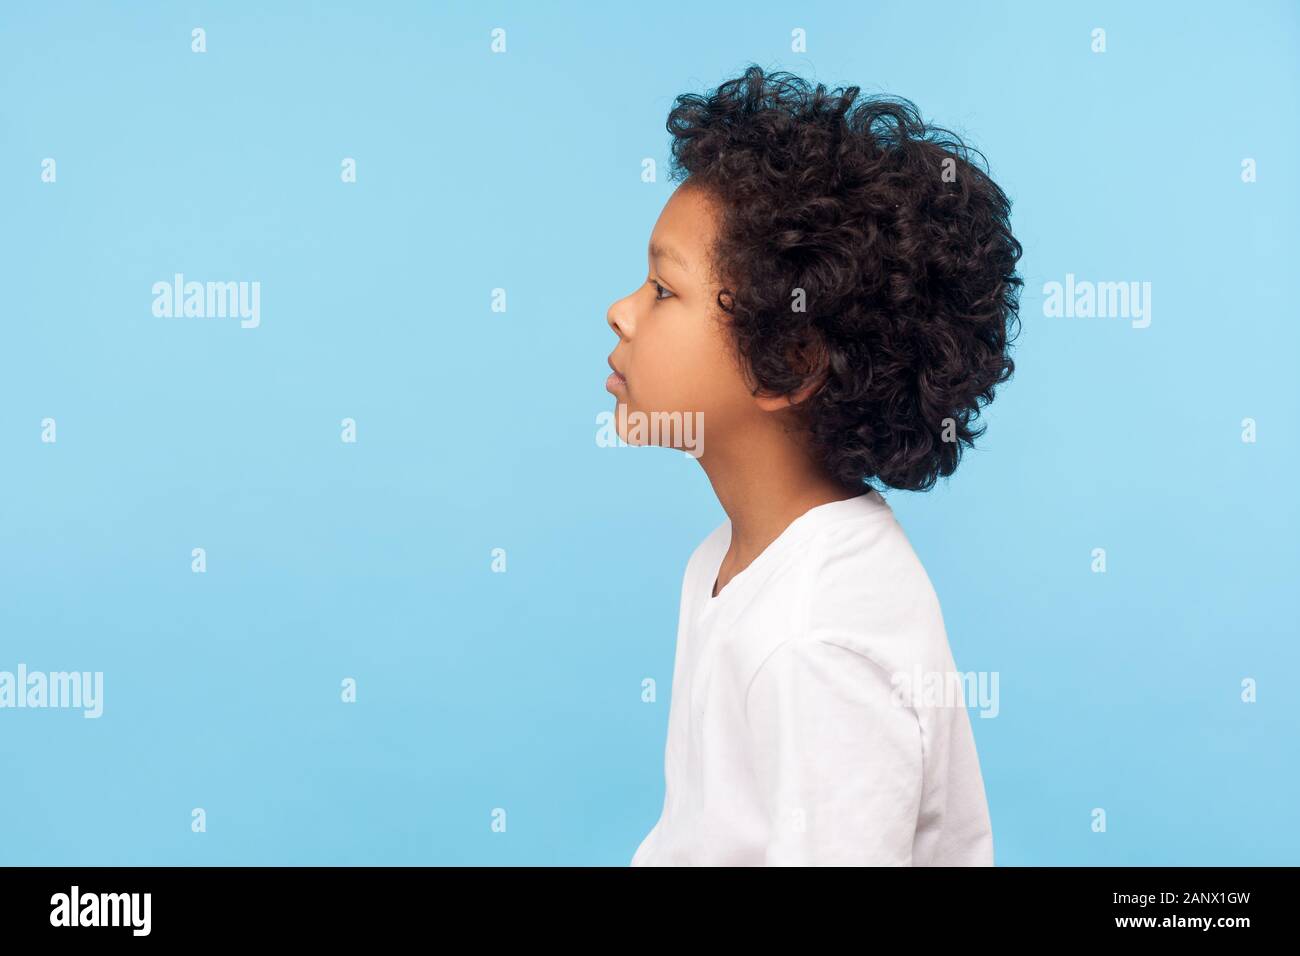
(668, 252)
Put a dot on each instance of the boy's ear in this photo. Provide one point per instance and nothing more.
(774, 403)
(810, 361)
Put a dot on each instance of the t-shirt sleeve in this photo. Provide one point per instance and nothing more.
(837, 758)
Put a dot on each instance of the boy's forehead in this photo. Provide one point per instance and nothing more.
(684, 227)
(663, 248)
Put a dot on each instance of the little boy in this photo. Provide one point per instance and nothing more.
(832, 293)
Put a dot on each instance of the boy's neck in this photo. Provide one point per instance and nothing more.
(763, 484)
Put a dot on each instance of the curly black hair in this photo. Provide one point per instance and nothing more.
(901, 245)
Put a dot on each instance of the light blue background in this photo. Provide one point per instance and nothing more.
(477, 429)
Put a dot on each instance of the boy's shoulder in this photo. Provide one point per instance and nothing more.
(866, 563)
(867, 588)
(861, 586)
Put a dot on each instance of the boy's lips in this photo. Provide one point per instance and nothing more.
(616, 380)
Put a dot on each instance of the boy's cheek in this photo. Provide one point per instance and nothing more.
(675, 393)
(683, 377)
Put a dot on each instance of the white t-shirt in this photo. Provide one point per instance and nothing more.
(790, 738)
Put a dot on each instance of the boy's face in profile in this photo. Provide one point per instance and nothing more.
(674, 353)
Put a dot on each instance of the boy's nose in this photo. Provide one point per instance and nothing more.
(621, 318)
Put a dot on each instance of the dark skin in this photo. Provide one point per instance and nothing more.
(674, 355)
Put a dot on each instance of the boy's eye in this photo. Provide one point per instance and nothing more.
(660, 291)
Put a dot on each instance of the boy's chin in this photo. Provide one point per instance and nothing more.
(683, 431)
